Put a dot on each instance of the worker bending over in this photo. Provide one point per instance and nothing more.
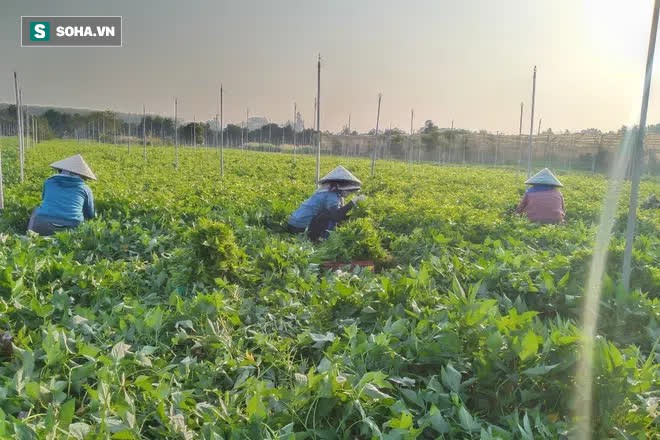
(543, 202)
(66, 200)
(321, 213)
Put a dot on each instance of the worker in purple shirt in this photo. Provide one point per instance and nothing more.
(321, 212)
(66, 200)
(543, 202)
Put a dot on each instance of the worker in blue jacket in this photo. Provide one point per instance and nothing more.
(66, 200)
(321, 213)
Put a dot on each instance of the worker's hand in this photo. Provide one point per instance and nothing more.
(360, 198)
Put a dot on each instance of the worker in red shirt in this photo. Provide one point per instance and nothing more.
(543, 202)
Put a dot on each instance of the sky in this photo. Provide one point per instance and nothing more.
(467, 61)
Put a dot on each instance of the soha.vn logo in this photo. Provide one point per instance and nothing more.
(39, 31)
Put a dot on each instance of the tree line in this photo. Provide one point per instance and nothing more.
(108, 126)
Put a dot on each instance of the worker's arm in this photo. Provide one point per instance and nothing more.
(522, 205)
(336, 211)
(88, 206)
(339, 214)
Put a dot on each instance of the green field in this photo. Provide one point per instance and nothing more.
(185, 311)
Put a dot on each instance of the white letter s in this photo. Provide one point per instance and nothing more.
(40, 31)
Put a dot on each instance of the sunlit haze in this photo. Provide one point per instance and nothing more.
(469, 61)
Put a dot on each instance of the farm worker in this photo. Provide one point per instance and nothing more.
(325, 208)
(543, 202)
(67, 200)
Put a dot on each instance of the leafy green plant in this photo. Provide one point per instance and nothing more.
(187, 311)
(354, 240)
(214, 250)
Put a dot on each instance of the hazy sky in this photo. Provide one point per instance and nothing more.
(469, 61)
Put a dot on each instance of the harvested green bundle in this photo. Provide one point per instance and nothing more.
(355, 240)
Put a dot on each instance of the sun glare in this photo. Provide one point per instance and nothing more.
(618, 28)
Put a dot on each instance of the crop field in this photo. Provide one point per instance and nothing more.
(186, 311)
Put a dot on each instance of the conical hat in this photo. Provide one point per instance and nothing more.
(340, 174)
(341, 186)
(544, 177)
(74, 164)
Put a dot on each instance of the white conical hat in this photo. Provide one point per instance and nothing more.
(340, 174)
(74, 164)
(341, 186)
(544, 177)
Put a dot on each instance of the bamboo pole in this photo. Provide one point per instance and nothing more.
(19, 129)
(295, 113)
(520, 135)
(26, 118)
(531, 127)
(318, 120)
(222, 139)
(176, 135)
(637, 153)
(144, 132)
(2, 190)
(373, 153)
(451, 140)
(410, 139)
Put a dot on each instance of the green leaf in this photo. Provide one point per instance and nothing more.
(67, 411)
(405, 421)
(549, 281)
(403, 381)
(438, 423)
(119, 351)
(154, 318)
(184, 324)
(376, 377)
(3, 423)
(529, 346)
(255, 407)
(451, 378)
(485, 435)
(564, 280)
(467, 421)
(27, 359)
(79, 430)
(124, 435)
(33, 390)
(372, 391)
(494, 341)
(372, 426)
(23, 432)
(324, 366)
(322, 339)
(539, 370)
(526, 429)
